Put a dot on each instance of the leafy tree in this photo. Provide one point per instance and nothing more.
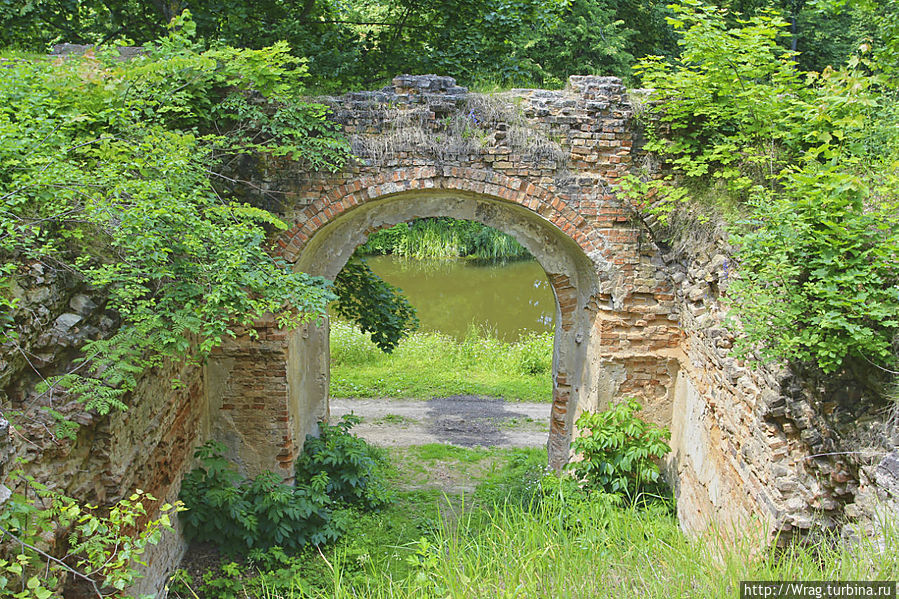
(810, 160)
(725, 100)
(589, 40)
(376, 306)
(818, 282)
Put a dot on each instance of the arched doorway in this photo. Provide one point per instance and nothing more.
(572, 274)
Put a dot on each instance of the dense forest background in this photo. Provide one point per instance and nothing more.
(354, 44)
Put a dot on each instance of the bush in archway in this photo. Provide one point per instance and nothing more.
(338, 471)
(352, 466)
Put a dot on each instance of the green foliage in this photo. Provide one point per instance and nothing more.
(617, 450)
(240, 515)
(102, 546)
(725, 100)
(274, 573)
(810, 161)
(373, 304)
(521, 42)
(110, 169)
(466, 38)
(352, 467)
(818, 279)
(444, 238)
(602, 37)
(430, 364)
(570, 543)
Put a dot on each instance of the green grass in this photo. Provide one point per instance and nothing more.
(598, 550)
(396, 419)
(429, 364)
(498, 543)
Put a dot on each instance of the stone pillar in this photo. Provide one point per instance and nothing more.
(258, 388)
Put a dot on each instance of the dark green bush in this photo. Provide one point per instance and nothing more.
(336, 471)
(238, 514)
(352, 467)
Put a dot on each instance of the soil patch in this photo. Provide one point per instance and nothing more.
(461, 420)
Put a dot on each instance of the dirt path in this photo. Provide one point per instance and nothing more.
(463, 420)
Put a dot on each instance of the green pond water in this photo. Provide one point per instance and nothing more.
(451, 295)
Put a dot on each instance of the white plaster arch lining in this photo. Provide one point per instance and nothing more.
(326, 253)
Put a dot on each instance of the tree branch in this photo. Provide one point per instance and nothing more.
(50, 558)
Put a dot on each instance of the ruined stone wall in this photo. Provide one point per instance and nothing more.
(756, 442)
(149, 446)
(253, 387)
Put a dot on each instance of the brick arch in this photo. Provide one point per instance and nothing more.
(342, 198)
(329, 229)
(638, 322)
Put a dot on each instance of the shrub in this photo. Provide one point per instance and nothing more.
(351, 467)
(337, 470)
(238, 514)
(808, 161)
(617, 451)
(104, 546)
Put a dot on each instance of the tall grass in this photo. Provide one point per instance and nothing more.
(606, 551)
(429, 364)
(525, 535)
(444, 238)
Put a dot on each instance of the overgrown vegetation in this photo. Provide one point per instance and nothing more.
(102, 553)
(444, 238)
(810, 162)
(430, 364)
(115, 172)
(107, 170)
(374, 305)
(337, 472)
(522, 533)
(353, 467)
(619, 453)
(112, 172)
(507, 43)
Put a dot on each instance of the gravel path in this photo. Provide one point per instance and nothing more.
(464, 420)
